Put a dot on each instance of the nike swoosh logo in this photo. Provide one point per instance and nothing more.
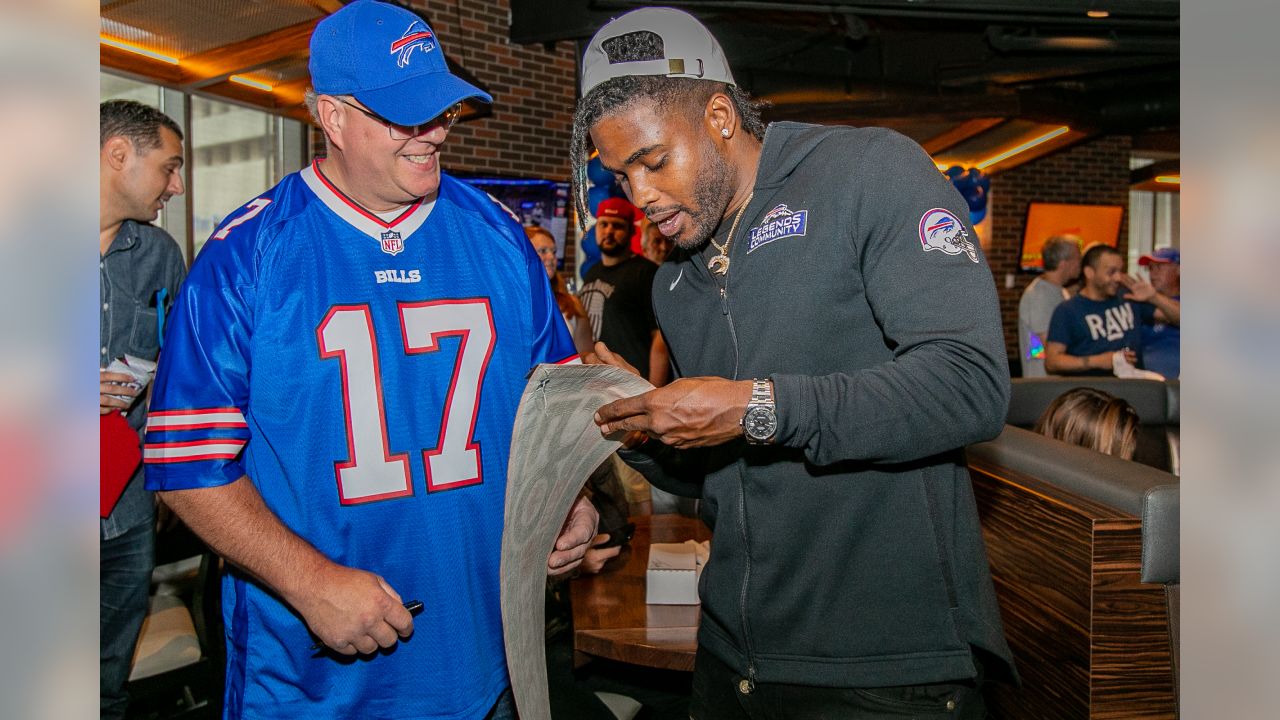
(676, 282)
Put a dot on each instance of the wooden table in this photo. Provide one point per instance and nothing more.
(610, 617)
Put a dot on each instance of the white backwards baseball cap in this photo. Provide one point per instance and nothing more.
(689, 48)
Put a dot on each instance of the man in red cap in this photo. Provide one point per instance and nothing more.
(616, 293)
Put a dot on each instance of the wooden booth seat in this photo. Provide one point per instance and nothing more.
(1063, 528)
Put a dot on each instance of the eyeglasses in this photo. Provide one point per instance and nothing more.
(445, 120)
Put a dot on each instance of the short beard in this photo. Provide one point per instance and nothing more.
(619, 250)
(711, 198)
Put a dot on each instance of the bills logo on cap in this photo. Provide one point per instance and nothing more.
(392, 243)
(780, 222)
(941, 230)
(417, 37)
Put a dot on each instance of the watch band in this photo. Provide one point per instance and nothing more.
(760, 419)
(761, 392)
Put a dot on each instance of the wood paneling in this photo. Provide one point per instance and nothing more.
(1132, 672)
(1089, 639)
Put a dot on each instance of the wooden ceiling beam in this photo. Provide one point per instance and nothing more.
(960, 133)
(1062, 142)
(107, 7)
(216, 65)
(328, 7)
(135, 64)
(287, 105)
(917, 108)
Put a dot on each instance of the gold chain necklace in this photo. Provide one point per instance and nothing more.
(720, 263)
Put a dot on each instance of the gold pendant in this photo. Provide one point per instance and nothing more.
(719, 264)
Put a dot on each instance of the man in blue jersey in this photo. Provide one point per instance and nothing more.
(1161, 341)
(335, 406)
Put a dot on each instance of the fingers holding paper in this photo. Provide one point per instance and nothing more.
(604, 356)
(575, 538)
(690, 412)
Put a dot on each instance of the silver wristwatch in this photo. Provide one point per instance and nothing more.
(760, 421)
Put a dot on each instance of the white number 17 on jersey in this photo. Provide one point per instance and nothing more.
(371, 472)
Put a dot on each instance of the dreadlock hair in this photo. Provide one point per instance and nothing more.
(613, 95)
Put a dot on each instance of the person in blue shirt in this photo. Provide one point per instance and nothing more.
(334, 409)
(1162, 341)
(1087, 330)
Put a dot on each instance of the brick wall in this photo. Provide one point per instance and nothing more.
(1092, 173)
(533, 92)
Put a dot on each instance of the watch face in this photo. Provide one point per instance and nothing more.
(760, 423)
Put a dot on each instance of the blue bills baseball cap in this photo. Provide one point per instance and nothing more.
(388, 59)
(1162, 256)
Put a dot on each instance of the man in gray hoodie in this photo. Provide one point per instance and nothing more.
(836, 338)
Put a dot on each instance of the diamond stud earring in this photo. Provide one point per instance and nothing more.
(724, 132)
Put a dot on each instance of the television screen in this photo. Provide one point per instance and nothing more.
(537, 202)
(1092, 223)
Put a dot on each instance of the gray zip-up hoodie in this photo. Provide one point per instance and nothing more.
(847, 554)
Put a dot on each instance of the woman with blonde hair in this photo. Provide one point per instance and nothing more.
(1093, 419)
(570, 307)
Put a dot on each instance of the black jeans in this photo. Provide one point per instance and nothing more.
(718, 695)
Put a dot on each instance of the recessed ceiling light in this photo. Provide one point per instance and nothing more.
(250, 82)
(137, 49)
(1022, 148)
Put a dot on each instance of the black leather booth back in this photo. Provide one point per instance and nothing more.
(1160, 525)
(1155, 402)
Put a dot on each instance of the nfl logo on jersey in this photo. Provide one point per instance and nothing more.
(392, 243)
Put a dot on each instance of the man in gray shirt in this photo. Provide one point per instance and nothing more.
(1061, 254)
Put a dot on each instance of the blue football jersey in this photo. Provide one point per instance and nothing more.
(364, 371)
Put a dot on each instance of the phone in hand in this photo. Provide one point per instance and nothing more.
(621, 536)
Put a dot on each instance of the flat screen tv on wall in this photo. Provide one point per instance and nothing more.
(1093, 223)
(535, 201)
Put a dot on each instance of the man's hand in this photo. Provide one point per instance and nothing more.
(1139, 290)
(576, 536)
(1168, 310)
(114, 383)
(596, 557)
(690, 412)
(353, 611)
(604, 356)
